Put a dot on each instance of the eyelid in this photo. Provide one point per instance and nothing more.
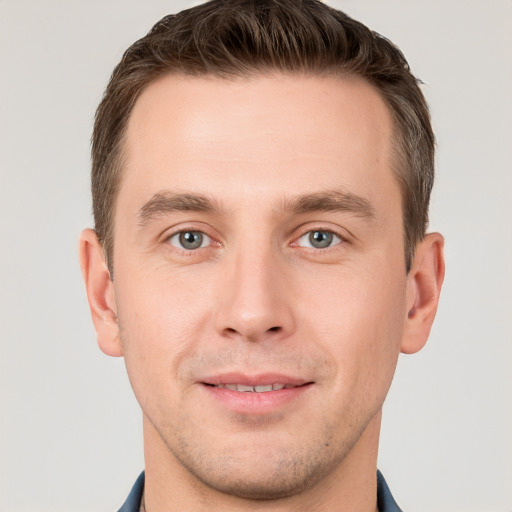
(305, 229)
(189, 227)
(206, 239)
(345, 238)
(306, 244)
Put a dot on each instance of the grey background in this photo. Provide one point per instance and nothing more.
(70, 430)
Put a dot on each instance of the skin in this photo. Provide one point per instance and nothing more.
(257, 297)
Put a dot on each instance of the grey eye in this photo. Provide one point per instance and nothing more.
(190, 240)
(319, 239)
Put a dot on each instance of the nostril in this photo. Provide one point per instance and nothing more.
(252, 332)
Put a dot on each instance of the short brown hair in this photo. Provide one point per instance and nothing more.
(236, 38)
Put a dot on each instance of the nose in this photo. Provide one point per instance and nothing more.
(255, 302)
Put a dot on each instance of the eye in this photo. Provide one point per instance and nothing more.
(190, 240)
(319, 239)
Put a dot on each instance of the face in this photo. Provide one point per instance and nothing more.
(260, 281)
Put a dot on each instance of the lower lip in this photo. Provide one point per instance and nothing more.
(256, 403)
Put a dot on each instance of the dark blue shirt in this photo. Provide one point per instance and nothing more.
(385, 500)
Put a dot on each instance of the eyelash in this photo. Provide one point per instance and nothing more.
(336, 239)
(189, 251)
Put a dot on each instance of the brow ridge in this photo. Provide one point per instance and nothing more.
(163, 203)
(331, 201)
(166, 202)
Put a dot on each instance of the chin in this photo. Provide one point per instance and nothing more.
(264, 482)
(267, 473)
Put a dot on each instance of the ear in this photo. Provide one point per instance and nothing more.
(100, 293)
(424, 283)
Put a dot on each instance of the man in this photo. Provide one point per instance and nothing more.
(261, 179)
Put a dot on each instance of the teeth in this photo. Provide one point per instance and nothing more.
(245, 389)
(254, 389)
(262, 389)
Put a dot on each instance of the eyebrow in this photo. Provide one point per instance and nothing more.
(331, 201)
(163, 203)
(166, 202)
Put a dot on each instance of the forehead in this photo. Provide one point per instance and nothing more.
(298, 133)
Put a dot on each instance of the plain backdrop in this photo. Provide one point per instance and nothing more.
(70, 429)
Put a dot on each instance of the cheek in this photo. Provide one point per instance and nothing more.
(160, 320)
(358, 317)
(161, 306)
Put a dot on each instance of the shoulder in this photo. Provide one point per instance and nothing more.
(132, 503)
(385, 500)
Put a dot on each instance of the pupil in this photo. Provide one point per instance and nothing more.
(191, 239)
(320, 239)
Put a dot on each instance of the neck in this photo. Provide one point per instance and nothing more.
(351, 485)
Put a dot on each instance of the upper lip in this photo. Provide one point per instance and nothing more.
(245, 379)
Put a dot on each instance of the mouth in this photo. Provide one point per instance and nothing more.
(244, 388)
(261, 394)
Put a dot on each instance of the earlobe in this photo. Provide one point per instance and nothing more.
(423, 288)
(100, 293)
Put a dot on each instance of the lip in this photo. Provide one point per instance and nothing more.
(253, 380)
(253, 402)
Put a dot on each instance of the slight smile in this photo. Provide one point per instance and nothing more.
(257, 394)
(253, 389)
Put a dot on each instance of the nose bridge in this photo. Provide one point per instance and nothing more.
(253, 303)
